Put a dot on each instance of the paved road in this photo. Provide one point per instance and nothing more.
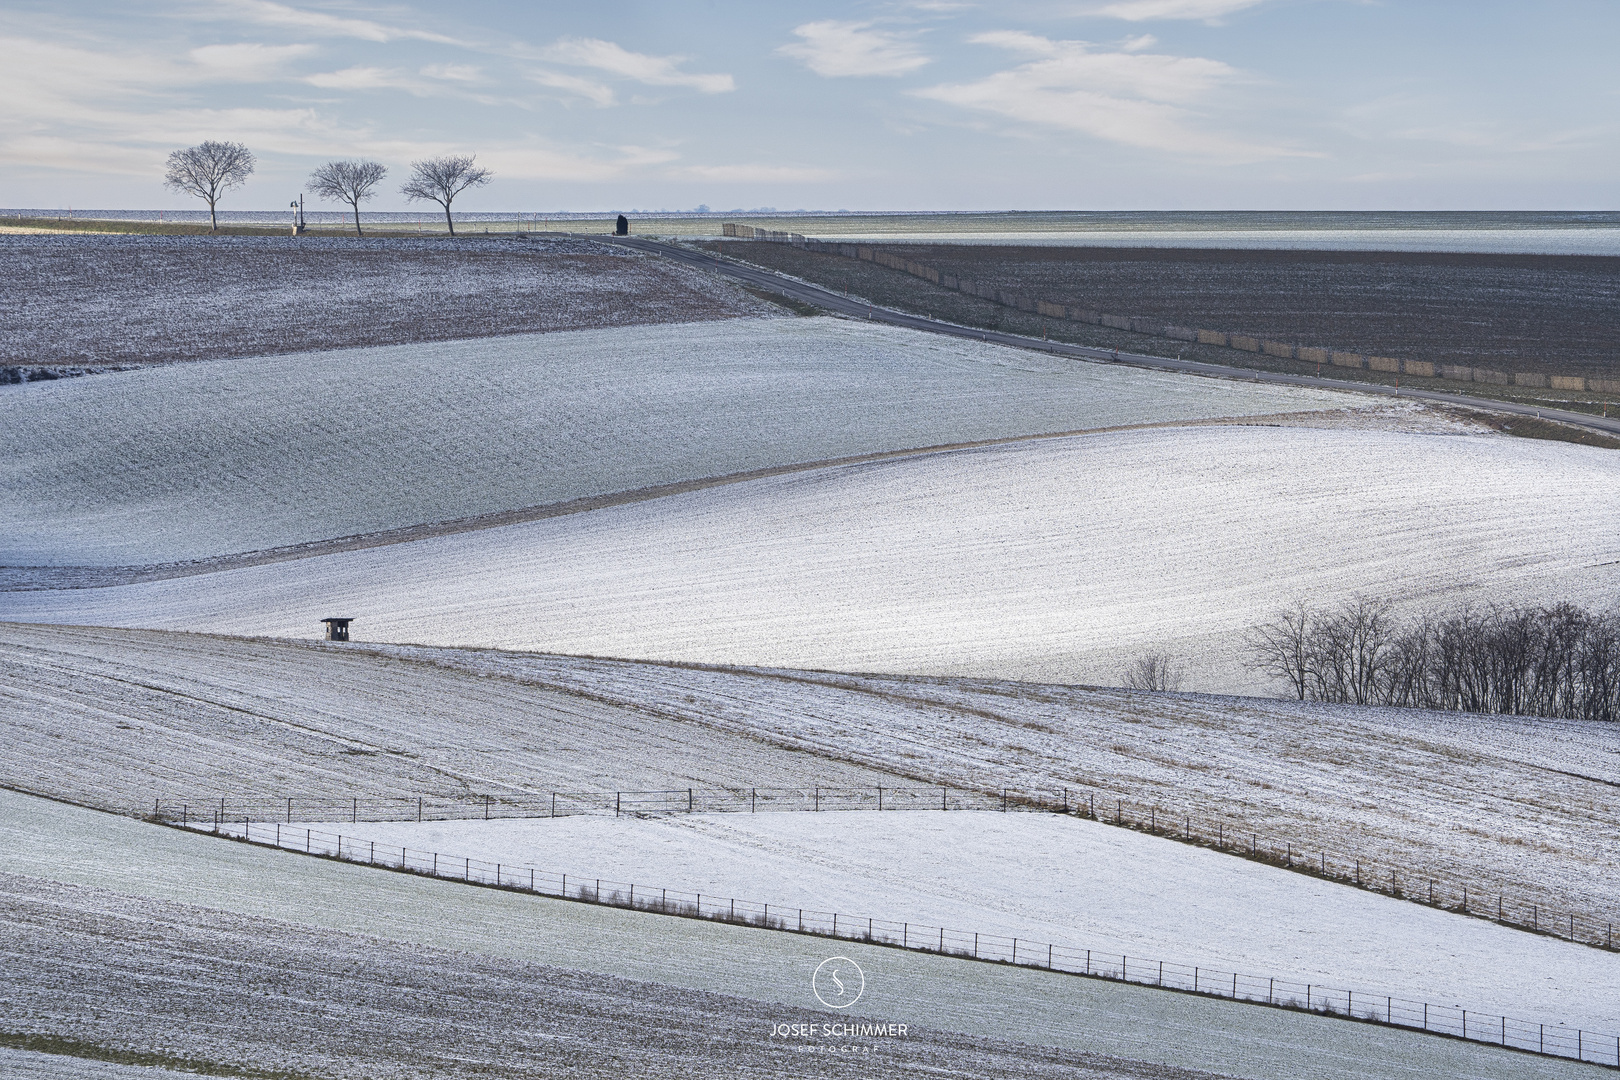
(843, 305)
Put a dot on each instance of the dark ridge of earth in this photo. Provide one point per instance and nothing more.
(73, 303)
(1557, 314)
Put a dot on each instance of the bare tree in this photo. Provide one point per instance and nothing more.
(208, 170)
(1561, 660)
(1153, 671)
(352, 182)
(441, 179)
(1281, 648)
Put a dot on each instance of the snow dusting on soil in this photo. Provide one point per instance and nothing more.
(1044, 878)
(1056, 560)
(1505, 806)
(230, 456)
(369, 953)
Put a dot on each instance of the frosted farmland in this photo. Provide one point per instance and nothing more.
(1045, 878)
(987, 1002)
(1510, 806)
(1056, 560)
(195, 460)
(98, 301)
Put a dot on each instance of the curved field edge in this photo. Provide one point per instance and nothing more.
(218, 457)
(1065, 1015)
(1500, 805)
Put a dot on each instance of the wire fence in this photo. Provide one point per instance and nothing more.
(1211, 831)
(1555, 1040)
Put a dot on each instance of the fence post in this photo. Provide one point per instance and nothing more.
(486, 807)
(818, 798)
(688, 800)
(418, 808)
(880, 796)
(289, 811)
(752, 794)
(615, 804)
(553, 804)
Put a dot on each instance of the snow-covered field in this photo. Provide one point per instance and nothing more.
(1045, 878)
(227, 456)
(1056, 560)
(278, 893)
(114, 718)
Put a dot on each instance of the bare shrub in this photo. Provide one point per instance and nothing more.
(1153, 671)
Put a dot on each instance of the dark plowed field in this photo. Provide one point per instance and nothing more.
(107, 301)
(1558, 314)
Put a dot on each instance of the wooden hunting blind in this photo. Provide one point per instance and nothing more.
(337, 629)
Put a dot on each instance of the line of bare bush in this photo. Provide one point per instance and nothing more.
(1557, 661)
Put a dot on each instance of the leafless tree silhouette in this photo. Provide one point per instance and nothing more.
(441, 179)
(352, 182)
(208, 170)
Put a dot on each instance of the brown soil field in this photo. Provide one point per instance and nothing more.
(86, 302)
(1549, 313)
(1558, 314)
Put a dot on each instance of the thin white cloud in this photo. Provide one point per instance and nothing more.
(1144, 10)
(755, 174)
(596, 93)
(365, 78)
(844, 49)
(315, 23)
(462, 73)
(1138, 44)
(650, 70)
(1145, 100)
(248, 61)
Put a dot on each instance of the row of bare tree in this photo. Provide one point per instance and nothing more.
(210, 169)
(1562, 660)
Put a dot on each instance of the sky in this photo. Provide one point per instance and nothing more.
(931, 104)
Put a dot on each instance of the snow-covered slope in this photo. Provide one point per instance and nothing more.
(1055, 560)
(1501, 805)
(1044, 878)
(226, 456)
(987, 1002)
